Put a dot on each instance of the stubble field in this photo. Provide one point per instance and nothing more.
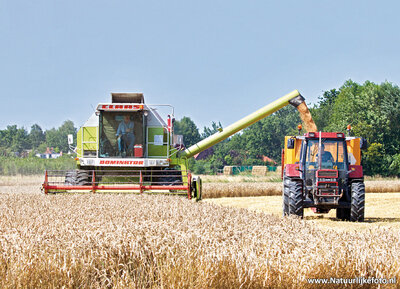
(142, 241)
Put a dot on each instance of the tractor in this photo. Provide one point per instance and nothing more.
(322, 171)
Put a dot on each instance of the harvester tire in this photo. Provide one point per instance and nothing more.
(296, 200)
(77, 178)
(285, 196)
(70, 178)
(357, 202)
(197, 188)
(82, 178)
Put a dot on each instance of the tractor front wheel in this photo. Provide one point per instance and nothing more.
(357, 202)
(296, 199)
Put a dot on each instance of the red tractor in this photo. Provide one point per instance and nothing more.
(322, 171)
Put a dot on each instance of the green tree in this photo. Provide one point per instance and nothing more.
(266, 137)
(373, 111)
(36, 136)
(58, 138)
(208, 131)
(14, 139)
(188, 129)
(321, 112)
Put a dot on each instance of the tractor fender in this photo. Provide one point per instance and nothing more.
(291, 170)
(356, 172)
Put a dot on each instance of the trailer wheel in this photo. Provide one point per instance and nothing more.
(285, 197)
(357, 202)
(343, 214)
(296, 198)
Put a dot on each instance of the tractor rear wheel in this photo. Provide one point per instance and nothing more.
(357, 202)
(296, 200)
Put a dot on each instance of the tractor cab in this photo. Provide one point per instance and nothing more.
(325, 166)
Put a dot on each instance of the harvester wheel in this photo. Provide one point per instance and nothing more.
(82, 178)
(70, 178)
(357, 202)
(285, 196)
(77, 178)
(197, 188)
(296, 198)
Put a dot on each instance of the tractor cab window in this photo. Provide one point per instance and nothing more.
(120, 132)
(332, 154)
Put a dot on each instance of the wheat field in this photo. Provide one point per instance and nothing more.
(143, 241)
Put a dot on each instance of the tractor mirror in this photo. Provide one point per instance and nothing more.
(363, 144)
(290, 143)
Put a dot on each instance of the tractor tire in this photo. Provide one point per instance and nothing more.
(285, 197)
(343, 214)
(357, 202)
(296, 199)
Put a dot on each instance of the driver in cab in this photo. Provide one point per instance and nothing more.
(125, 136)
(325, 155)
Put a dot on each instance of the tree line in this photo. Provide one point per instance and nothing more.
(372, 110)
(14, 140)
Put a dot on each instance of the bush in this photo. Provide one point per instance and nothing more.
(394, 167)
(11, 166)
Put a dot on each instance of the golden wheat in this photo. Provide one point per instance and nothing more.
(142, 241)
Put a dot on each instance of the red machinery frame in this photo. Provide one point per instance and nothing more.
(51, 186)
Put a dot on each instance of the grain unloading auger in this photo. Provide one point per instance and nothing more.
(126, 146)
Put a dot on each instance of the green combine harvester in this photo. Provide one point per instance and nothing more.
(126, 146)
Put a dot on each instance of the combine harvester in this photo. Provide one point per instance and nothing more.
(127, 146)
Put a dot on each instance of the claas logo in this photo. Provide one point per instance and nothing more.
(121, 106)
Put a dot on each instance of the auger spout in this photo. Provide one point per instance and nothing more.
(294, 98)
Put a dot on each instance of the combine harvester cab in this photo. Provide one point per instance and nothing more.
(127, 146)
(333, 181)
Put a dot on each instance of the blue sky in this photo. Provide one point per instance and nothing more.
(212, 60)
